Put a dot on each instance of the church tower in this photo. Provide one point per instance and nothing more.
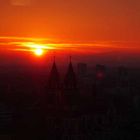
(54, 78)
(70, 78)
(54, 87)
(70, 85)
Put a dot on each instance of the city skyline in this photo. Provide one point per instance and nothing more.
(69, 69)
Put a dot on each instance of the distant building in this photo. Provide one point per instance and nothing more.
(85, 79)
(6, 118)
(123, 77)
(82, 69)
(100, 72)
(100, 82)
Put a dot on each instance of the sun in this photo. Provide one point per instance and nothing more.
(39, 51)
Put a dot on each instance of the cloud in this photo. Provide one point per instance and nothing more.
(20, 2)
(99, 47)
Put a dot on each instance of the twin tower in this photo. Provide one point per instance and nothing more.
(59, 93)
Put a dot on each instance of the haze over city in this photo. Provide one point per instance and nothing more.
(70, 69)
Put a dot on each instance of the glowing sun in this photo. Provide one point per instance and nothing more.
(38, 51)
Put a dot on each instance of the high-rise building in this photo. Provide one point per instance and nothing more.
(100, 82)
(100, 72)
(123, 77)
(6, 117)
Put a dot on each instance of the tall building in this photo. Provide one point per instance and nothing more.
(100, 72)
(85, 79)
(70, 85)
(123, 77)
(6, 117)
(54, 92)
(70, 81)
(99, 85)
(54, 78)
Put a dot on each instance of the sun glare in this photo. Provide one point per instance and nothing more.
(37, 49)
(38, 52)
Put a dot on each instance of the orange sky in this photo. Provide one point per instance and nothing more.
(74, 20)
(85, 26)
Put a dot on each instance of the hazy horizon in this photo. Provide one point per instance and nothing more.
(91, 31)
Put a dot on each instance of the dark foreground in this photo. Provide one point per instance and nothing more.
(101, 106)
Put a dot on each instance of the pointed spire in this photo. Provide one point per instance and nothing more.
(54, 79)
(70, 78)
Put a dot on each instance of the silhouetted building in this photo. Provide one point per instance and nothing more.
(85, 79)
(100, 78)
(122, 77)
(6, 118)
(70, 81)
(100, 72)
(54, 92)
(82, 69)
(100, 85)
(70, 85)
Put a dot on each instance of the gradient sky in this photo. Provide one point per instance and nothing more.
(80, 20)
(110, 25)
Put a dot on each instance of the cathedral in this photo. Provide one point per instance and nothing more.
(61, 93)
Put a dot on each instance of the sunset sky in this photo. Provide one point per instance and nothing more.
(89, 27)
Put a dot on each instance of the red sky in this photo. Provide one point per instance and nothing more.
(83, 26)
